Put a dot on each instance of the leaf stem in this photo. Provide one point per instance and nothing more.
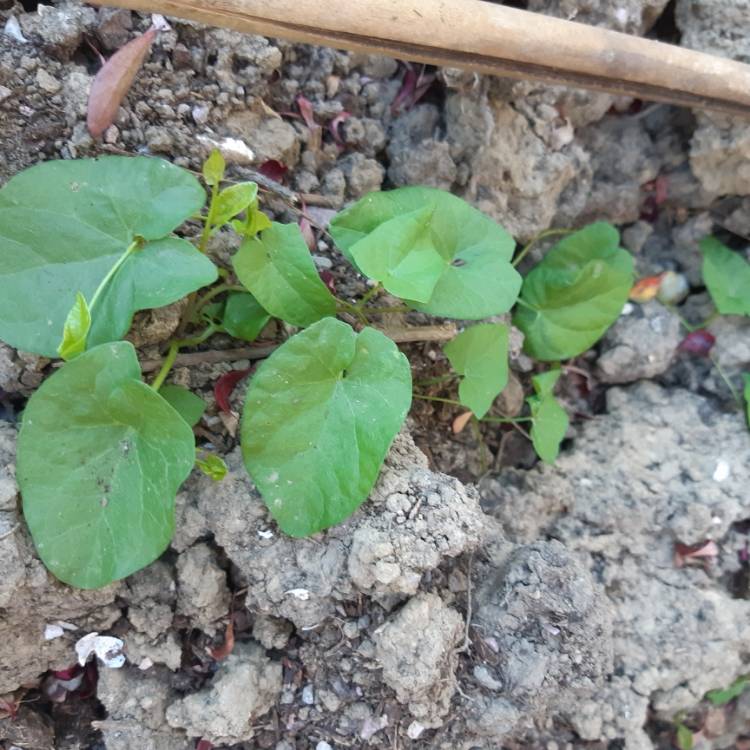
(725, 378)
(542, 235)
(201, 302)
(437, 379)
(507, 420)
(208, 226)
(369, 295)
(438, 398)
(135, 245)
(174, 349)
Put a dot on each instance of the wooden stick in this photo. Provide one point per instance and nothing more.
(487, 38)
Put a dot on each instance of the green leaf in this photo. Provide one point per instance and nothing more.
(232, 201)
(244, 318)
(549, 419)
(214, 168)
(255, 223)
(320, 415)
(723, 696)
(480, 354)
(100, 458)
(684, 737)
(212, 466)
(570, 299)
(76, 329)
(65, 224)
(433, 249)
(189, 406)
(277, 268)
(727, 276)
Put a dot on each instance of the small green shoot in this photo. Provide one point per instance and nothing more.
(727, 276)
(723, 696)
(212, 466)
(76, 329)
(549, 419)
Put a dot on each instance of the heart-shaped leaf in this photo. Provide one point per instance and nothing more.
(432, 248)
(100, 458)
(244, 318)
(320, 415)
(277, 268)
(727, 276)
(65, 224)
(570, 299)
(189, 406)
(549, 419)
(480, 354)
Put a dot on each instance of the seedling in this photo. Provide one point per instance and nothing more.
(85, 244)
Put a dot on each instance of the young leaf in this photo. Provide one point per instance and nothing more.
(550, 420)
(233, 200)
(432, 248)
(570, 299)
(214, 168)
(76, 329)
(480, 354)
(723, 696)
(113, 81)
(100, 458)
(212, 466)
(320, 415)
(189, 406)
(254, 223)
(64, 225)
(727, 276)
(244, 318)
(277, 268)
(684, 737)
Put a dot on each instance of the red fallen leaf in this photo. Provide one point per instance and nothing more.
(334, 126)
(226, 648)
(646, 289)
(204, 745)
(684, 553)
(698, 342)
(649, 209)
(744, 554)
(413, 88)
(274, 170)
(113, 81)
(329, 280)
(225, 385)
(661, 190)
(306, 110)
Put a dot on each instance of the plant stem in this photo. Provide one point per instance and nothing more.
(437, 379)
(542, 235)
(208, 226)
(438, 398)
(135, 245)
(369, 295)
(507, 420)
(174, 348)
(201, 302)
(725, 378)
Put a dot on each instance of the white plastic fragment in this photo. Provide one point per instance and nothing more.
(107, 648)
(301, 594)
(265, 533)
(721, 472)
(56, 629)
(160, 23)
(13, 30)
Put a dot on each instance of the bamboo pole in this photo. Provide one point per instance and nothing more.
(486, 38)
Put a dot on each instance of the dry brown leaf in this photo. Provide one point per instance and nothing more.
(226, 648)
(461, 421)
(114, 80)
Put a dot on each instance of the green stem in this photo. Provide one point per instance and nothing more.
(201, 302)
(725, 378)
(542, 235)
(174, 349)
(438, 398)
(437, 379)
(507, 420)
(367, 297)
(135, 245)
(208, 226)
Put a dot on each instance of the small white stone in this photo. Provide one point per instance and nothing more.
(308, 695)
(13, 30)
(722, 471)
(301, 594)
(323, 746)
(414, 730)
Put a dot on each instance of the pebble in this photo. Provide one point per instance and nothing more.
(323, 746)
(308, 695)
(485, 679)
(5, 92)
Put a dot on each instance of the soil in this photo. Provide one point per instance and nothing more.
(478, 600)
